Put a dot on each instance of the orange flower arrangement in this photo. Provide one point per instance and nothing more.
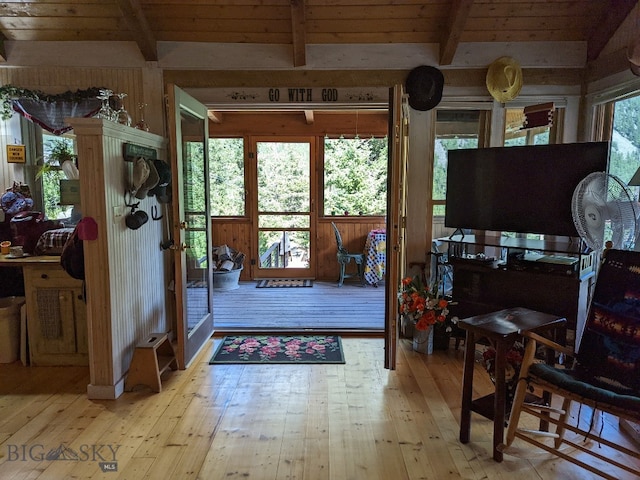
(423, 306)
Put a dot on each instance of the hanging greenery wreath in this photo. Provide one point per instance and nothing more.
(10, 92)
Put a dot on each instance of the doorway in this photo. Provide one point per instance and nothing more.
(284, 213)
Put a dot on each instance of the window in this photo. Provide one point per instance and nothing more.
(455, 129)
(624, 158)
(355, 176)
(226, 174)
(515, 135)
(50, 172)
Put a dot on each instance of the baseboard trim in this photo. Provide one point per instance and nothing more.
(105, 392)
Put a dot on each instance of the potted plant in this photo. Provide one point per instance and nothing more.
(59, 154)
(428, 312)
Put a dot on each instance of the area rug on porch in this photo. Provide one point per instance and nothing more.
(279, 349)
(284, 282)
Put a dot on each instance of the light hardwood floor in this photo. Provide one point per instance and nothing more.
(316, 422)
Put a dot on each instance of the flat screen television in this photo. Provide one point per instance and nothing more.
(524, 189)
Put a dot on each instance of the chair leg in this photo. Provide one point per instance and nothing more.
(521, 392)
(342, 270)
(566, 405)
(514, 417)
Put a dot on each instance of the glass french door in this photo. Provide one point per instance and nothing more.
(284, 213)
(191, 223)
(396, 217)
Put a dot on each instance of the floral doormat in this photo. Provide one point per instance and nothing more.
(284, 282)
(279, 349)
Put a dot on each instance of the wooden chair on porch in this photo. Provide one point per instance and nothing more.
(604, 378)
(345, 258)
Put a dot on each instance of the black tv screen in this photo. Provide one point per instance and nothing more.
(519, 189)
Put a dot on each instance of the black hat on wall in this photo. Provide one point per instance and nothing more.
(424, 85)
(162, 190)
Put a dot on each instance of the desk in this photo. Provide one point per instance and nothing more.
(502, 328)
(375, 252)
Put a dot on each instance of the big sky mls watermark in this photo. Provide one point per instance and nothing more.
(104, 454)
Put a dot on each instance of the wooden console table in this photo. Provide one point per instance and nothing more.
(502, 328)
(482, 285)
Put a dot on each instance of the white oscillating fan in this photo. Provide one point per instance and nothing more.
(603, 209)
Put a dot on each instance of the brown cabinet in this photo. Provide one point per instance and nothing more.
(56, 316)
(481, 285)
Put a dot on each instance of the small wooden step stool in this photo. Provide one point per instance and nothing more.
(150, 359)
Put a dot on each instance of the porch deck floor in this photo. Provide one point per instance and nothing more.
(325, 307)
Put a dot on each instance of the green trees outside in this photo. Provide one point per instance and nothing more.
(442, 147)
(283, 178)
(625, 145)
(50, 174)
(355, 176)
(226, 174)
(283, 186)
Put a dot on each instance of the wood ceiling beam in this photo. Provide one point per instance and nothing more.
(615, 14)
(139, 27)
(298, 33)
(215, 117)
(3, 52)
(308, 116)
(455, 27)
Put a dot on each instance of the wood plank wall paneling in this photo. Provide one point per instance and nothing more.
(9, 172)
(238, 234)
(54, 80)
(365, 123)
(126, 270)
(354, 235)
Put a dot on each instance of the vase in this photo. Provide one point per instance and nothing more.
(407, 327)
(423, 340)
(441, 339)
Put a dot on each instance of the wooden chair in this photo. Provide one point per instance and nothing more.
(604, 377)
(344, 258)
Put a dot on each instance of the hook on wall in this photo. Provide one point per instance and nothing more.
(128, 200)
(154, 213)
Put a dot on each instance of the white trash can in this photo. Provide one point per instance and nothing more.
(10, 328)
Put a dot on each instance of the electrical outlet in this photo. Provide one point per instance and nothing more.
(118, 211)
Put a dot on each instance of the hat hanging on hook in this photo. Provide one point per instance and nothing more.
(141, 172)
(504, 79)
(150, 182)
(424, 86)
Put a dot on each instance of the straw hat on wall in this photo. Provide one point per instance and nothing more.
(504, 79)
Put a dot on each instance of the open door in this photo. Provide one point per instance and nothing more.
(191, 223)
(283, 215)
(396, 216)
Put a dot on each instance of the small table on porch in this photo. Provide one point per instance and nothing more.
(375, 253)
(502, 328)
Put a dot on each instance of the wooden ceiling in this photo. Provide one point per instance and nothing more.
(299, 23)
